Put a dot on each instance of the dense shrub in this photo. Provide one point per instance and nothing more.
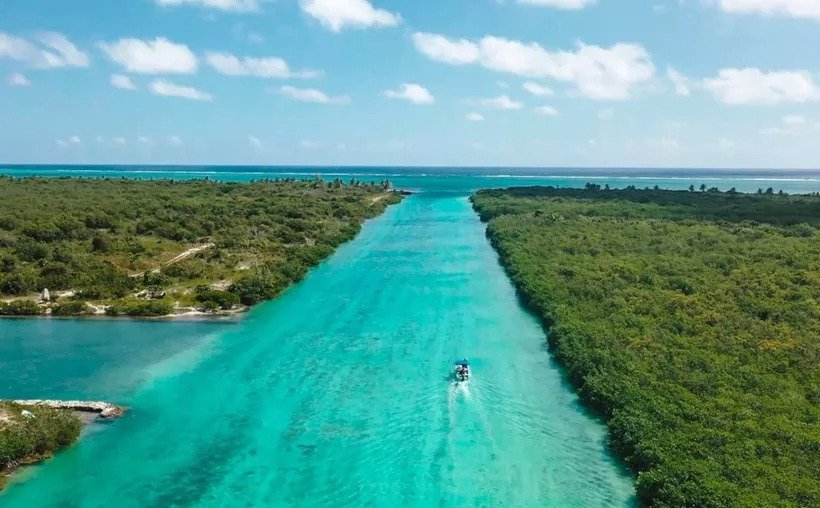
(212, 299)
(695, 331)
(73, 308)
(149, 308)
(20, 308)
(128, 228)
(42, 434)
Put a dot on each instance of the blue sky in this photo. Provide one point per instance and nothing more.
(700, 83)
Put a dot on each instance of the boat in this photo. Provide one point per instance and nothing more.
(462, 370)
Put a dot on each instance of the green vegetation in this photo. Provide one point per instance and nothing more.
(142, 248)
(691, 321)
(29, 438)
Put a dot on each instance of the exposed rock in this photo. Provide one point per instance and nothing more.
(46, 296)
(105, 410)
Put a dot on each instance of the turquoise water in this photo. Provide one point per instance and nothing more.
(464, 180)
(336, 394)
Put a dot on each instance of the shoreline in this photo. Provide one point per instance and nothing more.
(86, 412)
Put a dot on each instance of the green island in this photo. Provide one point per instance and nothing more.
(690, 321)
(30, 434)
(149, 248)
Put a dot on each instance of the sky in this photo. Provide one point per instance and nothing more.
(537, 83)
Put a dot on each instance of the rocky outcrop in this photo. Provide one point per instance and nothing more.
(104, 410)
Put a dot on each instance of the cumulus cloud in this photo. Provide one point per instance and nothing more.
(159, 56)
(756, 87)
(268, 67)
(122, 82)
(48, 50)
(791, 8)
(546, 111)
(336, 15)
(475, 117)
(596, 72)
(559, 4)
(501, 102)
(537, 90)
(442, 49)
(175, 141)
(168, 89)
(412, 92)
(222, 5)
(682, 84)
(72, 141)
(17, 79)
(312, 95)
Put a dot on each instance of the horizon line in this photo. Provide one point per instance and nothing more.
(409, 166)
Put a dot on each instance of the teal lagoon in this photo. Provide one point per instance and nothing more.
(339, 393)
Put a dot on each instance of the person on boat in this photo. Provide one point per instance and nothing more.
(463, 369)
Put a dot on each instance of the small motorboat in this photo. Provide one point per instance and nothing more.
(462, 370)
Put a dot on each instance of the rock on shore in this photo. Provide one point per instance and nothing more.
(104, 410)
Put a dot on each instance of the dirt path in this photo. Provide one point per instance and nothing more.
(180, 257)
(377, 199)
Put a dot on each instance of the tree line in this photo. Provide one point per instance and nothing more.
(690, 320)
(107, 240)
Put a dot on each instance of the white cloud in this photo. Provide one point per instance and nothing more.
(72, 141)
(119, 141)
(122, 82)
(336, 15)
(175, 141)
(145, 141)
(597, 73)
(168, 89)
(63, 53)
(558, 4)
(475, 117)
(17, 79)
(312, 95)
(791, 8)
(537, 90)
(54, 51)
(753, 86)
(306, 143)
(501, 102)
(254, 142)
(546, 111)
(412, 92)
(159, 56)
(222, 5)
(442, 49)
(683, 85)
(269, 67)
